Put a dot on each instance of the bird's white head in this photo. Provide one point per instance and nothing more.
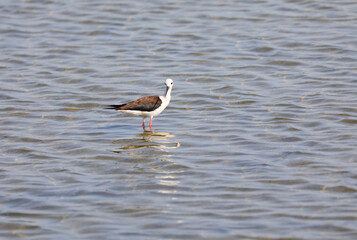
(169, 83)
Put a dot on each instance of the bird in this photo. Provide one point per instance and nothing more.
(149, 106)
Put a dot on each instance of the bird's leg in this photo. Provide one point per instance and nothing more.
(150, 125)
(144, 124)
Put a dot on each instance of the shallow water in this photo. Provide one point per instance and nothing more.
(258, 142)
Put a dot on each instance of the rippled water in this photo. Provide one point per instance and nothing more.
(258, 142)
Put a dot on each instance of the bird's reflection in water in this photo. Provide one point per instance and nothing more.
(147, 161)
(147, 139)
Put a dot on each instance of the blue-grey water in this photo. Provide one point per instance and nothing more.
(259, 140)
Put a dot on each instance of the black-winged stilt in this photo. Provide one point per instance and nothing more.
(150, 106)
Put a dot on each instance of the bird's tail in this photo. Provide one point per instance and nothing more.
(116, 107)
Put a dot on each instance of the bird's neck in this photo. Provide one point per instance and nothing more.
(168, 94)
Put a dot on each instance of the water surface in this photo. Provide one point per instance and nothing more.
(258, 142)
